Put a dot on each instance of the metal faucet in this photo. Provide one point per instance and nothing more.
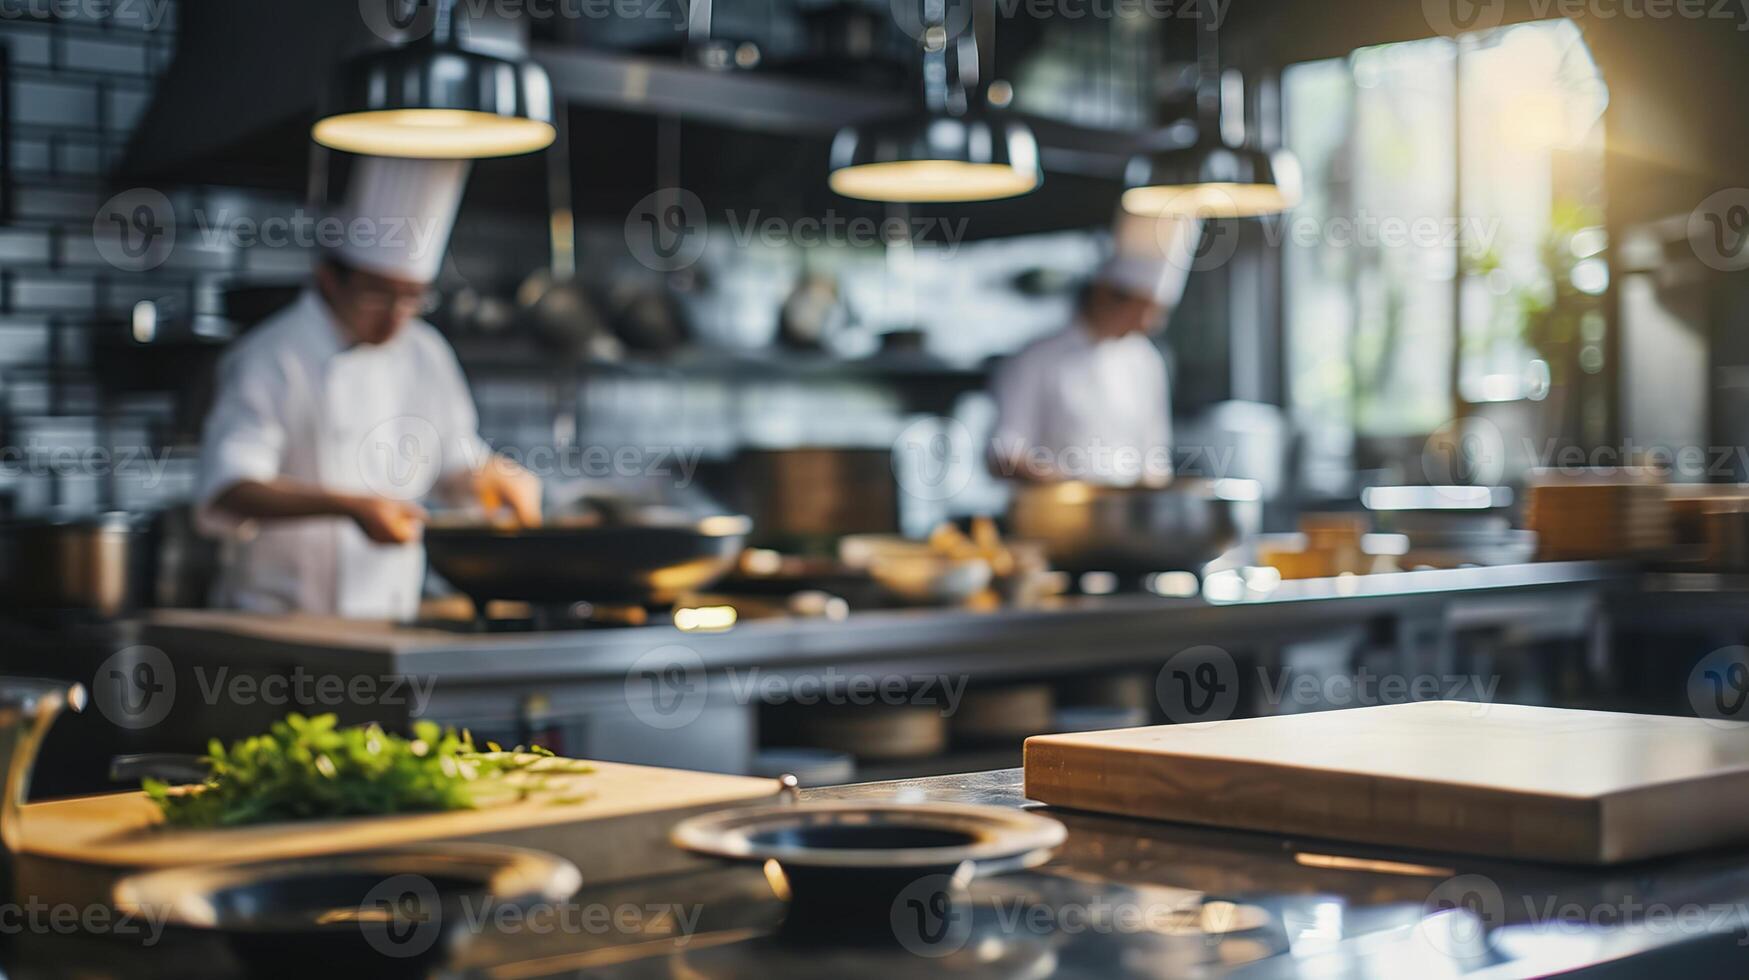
(28, 706)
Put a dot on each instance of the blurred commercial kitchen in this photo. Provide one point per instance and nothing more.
(1469, 407)
(1292, 418)
(1463, 411)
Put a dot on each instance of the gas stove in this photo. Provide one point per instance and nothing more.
(699, 613)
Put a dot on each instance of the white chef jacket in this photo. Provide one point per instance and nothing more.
(1086, 408)
(294, 401)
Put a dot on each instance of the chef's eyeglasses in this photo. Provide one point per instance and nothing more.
(373, 299)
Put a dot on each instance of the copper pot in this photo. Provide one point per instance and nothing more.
(1086, 527)
(91, 564)
(805, 499)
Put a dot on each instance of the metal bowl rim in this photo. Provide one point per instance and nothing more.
(1001, 832)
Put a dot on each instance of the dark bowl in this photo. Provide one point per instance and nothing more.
(396, 911)
(847, 868)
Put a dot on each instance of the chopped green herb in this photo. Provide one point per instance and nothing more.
(309, 769)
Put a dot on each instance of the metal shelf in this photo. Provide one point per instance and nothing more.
(776, 103)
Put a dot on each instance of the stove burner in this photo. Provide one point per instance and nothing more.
(525, 617)
(1177, 584)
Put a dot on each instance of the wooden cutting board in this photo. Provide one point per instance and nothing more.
(1549, 784)
(614, 826)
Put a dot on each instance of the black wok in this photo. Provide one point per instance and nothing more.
(1129, 530)
(585, 560)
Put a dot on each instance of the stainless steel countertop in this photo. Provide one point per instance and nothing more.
(1122, 898)
(1106, 628)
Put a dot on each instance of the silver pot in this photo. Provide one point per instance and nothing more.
(1085, 527)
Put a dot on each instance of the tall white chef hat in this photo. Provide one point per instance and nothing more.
(398, 214)
(1152, 257)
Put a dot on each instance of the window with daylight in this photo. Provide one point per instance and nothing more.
(1447, 250)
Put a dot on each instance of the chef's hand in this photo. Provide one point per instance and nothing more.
(386, 521)
(503, 484)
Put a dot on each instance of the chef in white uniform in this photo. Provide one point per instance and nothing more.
(1091, 402)
(336, 416)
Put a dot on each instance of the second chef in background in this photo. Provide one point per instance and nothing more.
(334, 417)
(1092, 402)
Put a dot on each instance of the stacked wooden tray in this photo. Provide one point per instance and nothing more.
(1582, 519)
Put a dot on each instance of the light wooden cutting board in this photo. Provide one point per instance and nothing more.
(616, 829)
(1549, 784)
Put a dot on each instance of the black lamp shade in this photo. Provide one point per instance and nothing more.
(934, 157)
(432, 101)
(1210, 179)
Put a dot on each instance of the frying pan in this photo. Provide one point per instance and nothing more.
(1129, 530)
(591, 558)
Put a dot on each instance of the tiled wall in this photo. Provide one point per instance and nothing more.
(76, 86)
